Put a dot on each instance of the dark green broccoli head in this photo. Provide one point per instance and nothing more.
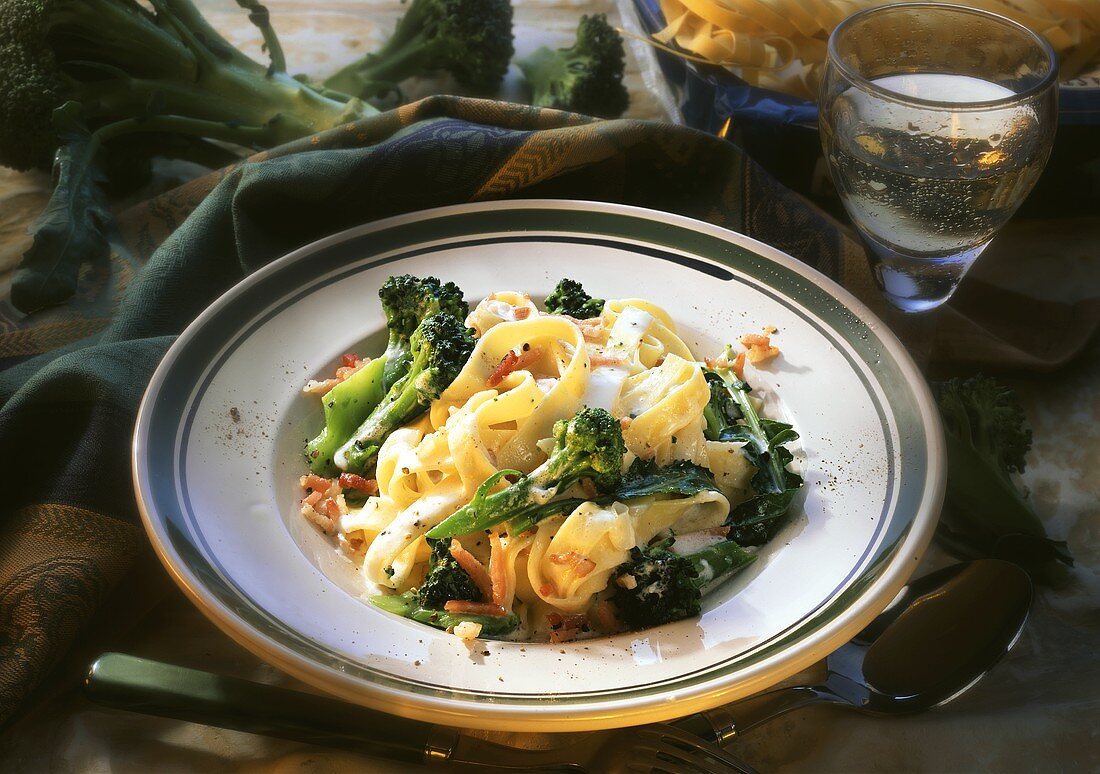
(656, 586)
(585, 78)
(406, 300)
(440, 346)
(570, 298)
(30, 86)
(472, 40)
(987, 415)
(446, 579)
(590, 445)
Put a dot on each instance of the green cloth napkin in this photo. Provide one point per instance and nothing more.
(72, 378)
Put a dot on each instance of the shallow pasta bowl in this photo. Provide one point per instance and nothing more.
(217, 454)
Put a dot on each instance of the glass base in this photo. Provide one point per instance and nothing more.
(913, 283)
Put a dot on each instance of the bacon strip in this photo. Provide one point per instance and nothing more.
(315, 482)
(498, 573)
(475, 569)
(512, 362)
(358, 483)
(604, 360)
(474, 608)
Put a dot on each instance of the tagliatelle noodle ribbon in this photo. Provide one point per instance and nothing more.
(781, 44)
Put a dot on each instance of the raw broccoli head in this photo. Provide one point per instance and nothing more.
(30, 86)
(656, 586)
(446, 579)
(570, 298)
(440, 347)
(987, 416)
(470, 39)
(585, 78)
(590, 445)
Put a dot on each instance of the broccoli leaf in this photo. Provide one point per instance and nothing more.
(681, 477)
(731, 416)
(987, 515)
(71, 230)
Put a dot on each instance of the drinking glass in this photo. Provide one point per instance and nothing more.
(936, 121)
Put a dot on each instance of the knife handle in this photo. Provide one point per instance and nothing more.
(155, 688)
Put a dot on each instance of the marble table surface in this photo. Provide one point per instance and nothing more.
(1039, 710)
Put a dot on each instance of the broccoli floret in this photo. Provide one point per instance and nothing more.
(470, 39)
(570, 298)
(656, 586)
(87, 72)
(988, 440)
(590, 445)
(585, 78)
(440, 347)
(446, 579)
(406, 300)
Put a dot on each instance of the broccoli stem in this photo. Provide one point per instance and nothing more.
(401, 406)
(406, 605)
(402, 56)
(717, 561)
(347, 405)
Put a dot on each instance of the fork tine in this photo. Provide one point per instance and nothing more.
(689, 751)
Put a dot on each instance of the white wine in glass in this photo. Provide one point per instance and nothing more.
(936, 121)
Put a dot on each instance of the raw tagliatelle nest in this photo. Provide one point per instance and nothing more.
(780, 44)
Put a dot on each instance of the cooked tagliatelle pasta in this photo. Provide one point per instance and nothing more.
(543, 473)
(781, 44)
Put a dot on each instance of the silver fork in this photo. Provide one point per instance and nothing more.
(653, 748)
(155, 688)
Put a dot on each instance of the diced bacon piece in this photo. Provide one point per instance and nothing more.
(315, 483)
(522, 312)
(624, 422)
(755, 340)
(598, 360)
(547, 589)
(512, 362)
(575, 621)
(312, 499)
(467, 630)
(563, 635)
(329, 507)
(358, 483)
(604, 618)
(770, 329)
(554, 619)
(627, 581)
(314, 387)
(475, 569)
(474, 608)
(350, 360)
(739, 366)
(580, 565)
(760, 348)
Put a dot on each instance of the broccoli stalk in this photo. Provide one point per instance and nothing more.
(470, 39)
(129, 69)
(569, 298)
(406, 301)
(987, 441)
(656, 586)
(347, 405)
(590, 445)
(585, 78)
(440, 347)
(408, 606)
(731, 416)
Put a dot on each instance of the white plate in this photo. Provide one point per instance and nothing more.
(217, 453)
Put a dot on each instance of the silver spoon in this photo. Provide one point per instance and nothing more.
(939, 636)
